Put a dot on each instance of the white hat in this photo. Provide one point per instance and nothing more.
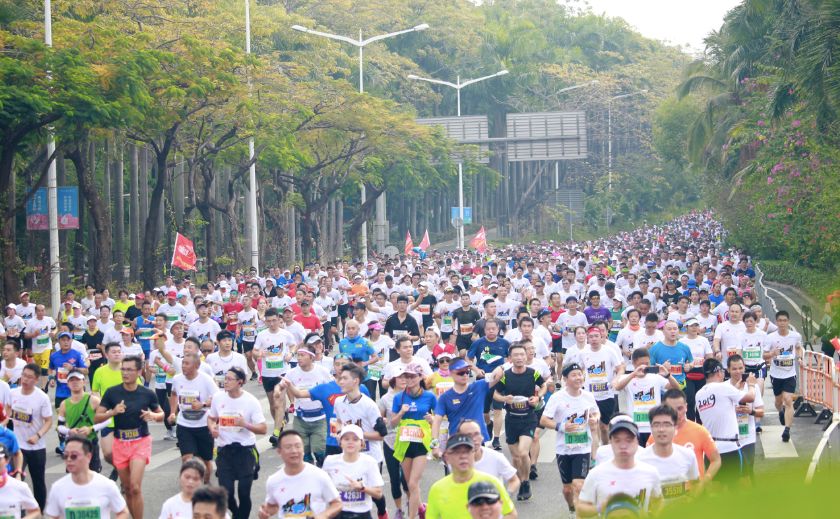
(351, 428)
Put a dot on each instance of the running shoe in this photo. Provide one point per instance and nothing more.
(786, 435)
(496, 445)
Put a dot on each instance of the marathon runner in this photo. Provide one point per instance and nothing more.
(783, 350)
(16, 500)
(76, 416)
(747, 414)
(642, 390)
(191, 396)
(189, 479)
(31, 414)
(677, 465)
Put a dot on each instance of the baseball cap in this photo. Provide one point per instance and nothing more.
(65, 334)
(543, 313)
(446, 354)
(458, 364)
(314, 339)
(126, 330)
(375, 325)
(224, 334)
(351, 428)
(458, 440)
(414, 368)
(482, 490)
(711, 366)
(172, 294)
(12, 306)
(75, 304)
(623, 422)
(24, 294)
(691, 321)
(76, 374)
(92, 318)
(571, 367)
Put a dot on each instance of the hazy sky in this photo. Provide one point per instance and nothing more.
(676, 21)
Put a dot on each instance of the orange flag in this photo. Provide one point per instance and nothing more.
(479, 242)
(183, 256)
(408, 243)
(425, 242)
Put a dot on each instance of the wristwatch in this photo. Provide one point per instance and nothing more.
(434, 443)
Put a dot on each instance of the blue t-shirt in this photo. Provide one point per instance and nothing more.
(469, 404)
(327, 394)
(678, 355)
(489, 355)
(143, 323)
(423, 404)
(9, 439)
(716, 299)
(57, 361)
(358, 348)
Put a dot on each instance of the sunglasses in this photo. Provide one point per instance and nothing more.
(73, 456)
(461, 372)
(443, 360)
(484, 501)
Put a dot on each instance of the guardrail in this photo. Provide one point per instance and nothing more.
(819, 384)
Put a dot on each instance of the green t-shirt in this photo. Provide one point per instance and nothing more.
(448, 499)
(104, 379)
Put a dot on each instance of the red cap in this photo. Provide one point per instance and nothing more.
(172, 294)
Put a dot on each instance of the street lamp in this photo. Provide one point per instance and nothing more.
(252, 170)
(458, 86)
(609, 144)
(52, 190)
(360, 44)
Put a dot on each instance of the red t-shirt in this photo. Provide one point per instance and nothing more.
(232, 308)
(311, 323)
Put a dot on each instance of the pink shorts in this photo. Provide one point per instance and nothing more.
(125, 451)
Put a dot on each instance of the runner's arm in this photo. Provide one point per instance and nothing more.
(586, 509)
(332, 510)
(712, 454)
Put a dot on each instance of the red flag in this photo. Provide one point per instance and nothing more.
(183, 256)
(424, 243)
(479, 242)
(408, 243)
(836, 343)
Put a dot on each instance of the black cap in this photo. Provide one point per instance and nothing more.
(543, 313)
(457, 440)
(623, 422)
(571, 367)
(482, 489)
(711, 366)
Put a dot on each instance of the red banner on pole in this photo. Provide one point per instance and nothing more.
(479, 242)
(425, 242)
(408, 243)
(183, 256)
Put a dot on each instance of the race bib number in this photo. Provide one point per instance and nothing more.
(752, 353)
(94, 355)
(576, 438)
(400, 333)
(128, 435)
(375, 372)
(641, 416)
(743, 424)
(171, 318)
(274, 362)
(411, 433)
(783, 362)
(598, 387)
(465, 329)
(730, 353)
(220, 380)
(249, 331)
(352, 496)
(228, 421)
(489, 358)
(676, 369)
(160, 375)
(21, 414)
(673, 490)
(447, 320)
(424, 309)
(335, 427)
(42, 340)
(146, 334)
(10, 511)
(61, 375)
(82, 509)
(520, 403)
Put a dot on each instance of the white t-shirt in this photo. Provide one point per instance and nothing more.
(641, 483)
(391, 367)
(302, 495)
(641, 395)
(225, 409)
(567, 324)
(699, 347)
(275, 347)
(15, 498)
(642, 340)
(221, 365)
(675, 470)
(564, 408)
(160, 376)
(495, 464)
(784, 365)
(100, 498)
(29, 413)
(176, 508)
(752, 347)
(624, 340)
(364, 469)
(12, 375)
(248, 320)
(173, 313)
(600, 369)
(200, 389)
(730, 336)
(716, 403)
(309, 410)
(42, 342)
(363, 413)
(201, 331)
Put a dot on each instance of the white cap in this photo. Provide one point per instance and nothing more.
(351, 428)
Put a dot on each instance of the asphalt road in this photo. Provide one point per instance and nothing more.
(161, 479)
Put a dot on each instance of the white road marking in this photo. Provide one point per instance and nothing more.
(774, 447)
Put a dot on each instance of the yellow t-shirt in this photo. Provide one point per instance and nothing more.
(448, 499)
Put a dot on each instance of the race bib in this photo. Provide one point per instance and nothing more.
(146, 334)
(61, 375)
(274, 362)
(465, 329)
(227, 421)
(598, 387)
(520, 403)
(10, 511)
(676, 369)
(352, 496)
(489, 358)
(21, 414)
(78, 508)
(375, 372)
(128, 435)
(752, 353)
(335, 427)
(160, 376)
(673, 490)
(400, 333)
(783, 362)
(94, 355)
(171, 318)
(424, 309)
(576, 438)
(249, 331)
(447, 321)
(411, 433)
(220, 380)
(698, 362)
(743, 424)
(42, 340)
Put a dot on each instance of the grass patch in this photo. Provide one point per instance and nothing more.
(815, 283)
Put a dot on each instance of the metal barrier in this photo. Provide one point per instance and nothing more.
(819, 384)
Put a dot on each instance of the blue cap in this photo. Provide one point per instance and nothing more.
(459, 363)
(65, 334)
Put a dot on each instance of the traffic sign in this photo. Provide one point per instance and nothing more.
(468, 220)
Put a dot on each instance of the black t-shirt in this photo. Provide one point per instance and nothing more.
(393, 324)
(129, 425)
(466, 320)
(132, 313)
(519, 385)
(427, 309)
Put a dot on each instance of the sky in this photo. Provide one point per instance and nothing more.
(678, 22)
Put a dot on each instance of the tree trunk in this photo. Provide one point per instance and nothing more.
(292, 219)
(362, 215)
(178, 196)
(144, 191)
(100, 224)
(11, 282)
(119, 214)
(61, 180)
(134, 213)
(339, 229)
(151, 241)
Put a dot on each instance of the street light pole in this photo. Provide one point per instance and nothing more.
(360, 44)
(458, 86)
(252, 170)
(609, 148)
(52, 191)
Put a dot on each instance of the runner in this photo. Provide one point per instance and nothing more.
(31, 414)
(574, 414)
(106, 377)
(82, 492)
(716, 408)
(783, 350)
(602, 366)
(396, 478)
(61, 362)
(622, 474)
(192, 393)
(16, 500)
(670, 350)
(487, 460)
(486, 354)
(464, 319)
(221, 361)
(449, 496)
(521, 389)
(676, 464)
(131, 406)
(355, 474)
(748, 414)
(642, 390)
(274, 348)
(298, 488)
(162, 366)
(700, 351)
(40, 330)
(76, 416)
(12, 365)
(208, 502)
(180, 505)
(234, 419)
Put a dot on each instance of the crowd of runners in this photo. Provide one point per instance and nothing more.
(646, 354)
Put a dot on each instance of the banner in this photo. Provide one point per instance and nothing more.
(183, 256)
(425, 242)
(479, 242)
(408, 243)
(37, 214)
(467, 214)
